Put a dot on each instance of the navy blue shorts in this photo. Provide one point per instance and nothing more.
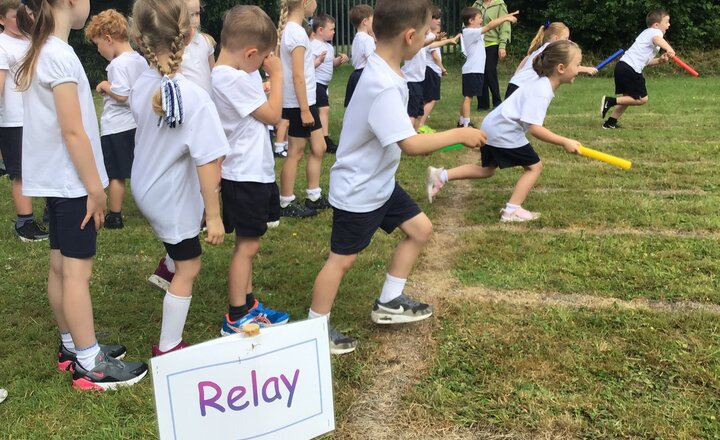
(11, 149)
(628, 82)
(352, 83)
(118, 153)
(415, 106)
(431, 86)
(185, 250)
(472, 84)
(508, 157)
(296, 128)
(247, 207)
(321, 95)
(66, 216)
(353, 231)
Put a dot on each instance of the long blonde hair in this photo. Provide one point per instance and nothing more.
(286, 6)
(35, 20)
(545, 33)
(161, 26)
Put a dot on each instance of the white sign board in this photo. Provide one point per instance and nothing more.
(277, 385)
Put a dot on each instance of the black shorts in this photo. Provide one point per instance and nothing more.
(249, 206)
(472, 84)
(353, 231)
(296, 128)
(66, 216)
(118, 152)
(321, 95)
(185, 250)
(508, 157)
(11, 149)
(628, 82)
(415, 106)
(352, 83)
(510, 90)
(431, 86)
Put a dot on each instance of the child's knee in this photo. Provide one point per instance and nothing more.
(422, 231)
(342, 263)
(644, 100)
(535, 168)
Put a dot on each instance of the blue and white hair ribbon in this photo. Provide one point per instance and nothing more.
(171, 102)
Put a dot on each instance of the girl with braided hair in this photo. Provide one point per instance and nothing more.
(176, 172)
(63, 161)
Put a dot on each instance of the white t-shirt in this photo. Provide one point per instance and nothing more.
(643, 49)
(474, 47)
(507, 125)
(526, 72)
(47, 169)
(295, 36)
(323, 72)
(164, 180)
(122, 73)
(12, 50)
(363, 176)
(195, 65)
(237, 94)
(429, 60)
(414, 68)
(363, 46)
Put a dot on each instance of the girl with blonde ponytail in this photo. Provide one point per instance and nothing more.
(62, 160)
(178, 142)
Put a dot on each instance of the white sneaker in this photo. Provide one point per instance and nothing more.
(433, 182)
(518, 215)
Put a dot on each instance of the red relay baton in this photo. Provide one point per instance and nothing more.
(682, 64)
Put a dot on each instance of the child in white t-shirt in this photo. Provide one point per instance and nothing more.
(176, 171)
(199, 57)
(629, 80)
(109, 31)
(299, 107)
(434, 71)
(62, 160)
(248, 189)
(507, 126)
(363, 45)
(473, 46)
(363, 191)
(325, 62)
(547, 33)
(13, 46)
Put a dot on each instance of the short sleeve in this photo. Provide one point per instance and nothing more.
(369, 47)
(317, 48)
(206, 139)
(296, 37)
(388, 118)
(4, 59)
(535, 108)
(242, 91)
(119, 80)
(57, 68)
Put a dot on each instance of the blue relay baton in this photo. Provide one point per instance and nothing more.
(609, 59)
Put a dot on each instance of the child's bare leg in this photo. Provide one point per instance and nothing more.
(618, 111)
(117, 194)
(185, 273)
(23, 204)
(470, 171)
(281, 130)
(525, 183)
(296, 150)
(427, 109)
(54, 289)
(314, 162)
(465, 107)
(325, 120)
(328, 281)
(418, 231)
(241, 266)
(629, 100)
(76, 304)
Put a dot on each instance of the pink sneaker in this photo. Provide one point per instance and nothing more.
(518, 215)
(157, 352)
(162, 277)
(433, 182)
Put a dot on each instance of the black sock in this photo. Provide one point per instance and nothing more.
(611, 121)
(250, 301)
(236, 313)
(22, 219)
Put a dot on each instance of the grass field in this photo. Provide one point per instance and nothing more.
(600, 320)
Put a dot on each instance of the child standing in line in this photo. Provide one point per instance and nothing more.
(547, 33)
(434, 71)
(13, 46)
(62, 160)
(178, 143)
(199, 57)
(629, 80)
(507, 145)
(109, 31)
(363, 45)
(363, 190)
(473, 70)
(248, 189)
(325, 62)
(299, 107)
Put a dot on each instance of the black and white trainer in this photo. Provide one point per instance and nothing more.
(399, 311)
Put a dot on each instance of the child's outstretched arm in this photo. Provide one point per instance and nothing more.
(545, 135)
(427, 143)
(511, 17)
(77, 142)
(587, 70)
(298, 77)
(440, 43)
(270, 113)
(209, 176)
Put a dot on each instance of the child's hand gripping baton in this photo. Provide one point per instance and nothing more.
(603, 157)
(682, 64)
(609, 59)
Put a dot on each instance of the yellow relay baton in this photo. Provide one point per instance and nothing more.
(604, 157)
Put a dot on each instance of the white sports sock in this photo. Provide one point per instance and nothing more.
(175, 310)
(444, 176)
(286, 200)
(314, 194)
(86, 356)
(169, 263)
(392, 288)
(510, 208)
(280, 146)
(67, 341)
(313, 314)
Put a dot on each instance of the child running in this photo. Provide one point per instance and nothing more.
(473, 44)
(363, 191)
(13, 46)
(248, 189)
(547, 33)
(299, 107)
(109, 32)
(506, 128)
(178, 143)
(363, 45)
(62, 160)
(629, 80)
